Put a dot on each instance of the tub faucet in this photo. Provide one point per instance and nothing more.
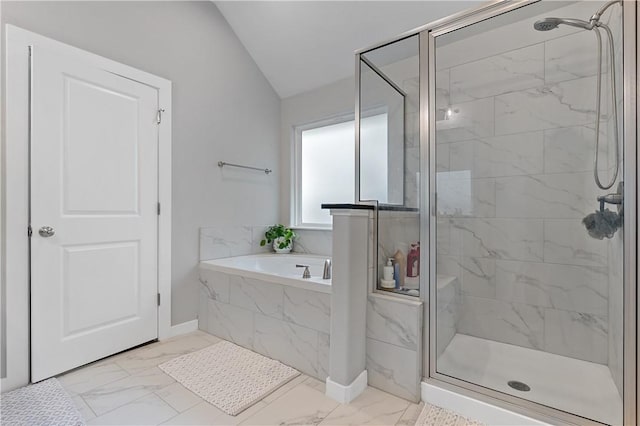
(326, 274)
(306, 274)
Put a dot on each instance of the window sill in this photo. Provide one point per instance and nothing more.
(312, 228)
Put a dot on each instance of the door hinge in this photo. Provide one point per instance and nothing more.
(159, 116)
(158, 209)
(29, 231)
(158, 299)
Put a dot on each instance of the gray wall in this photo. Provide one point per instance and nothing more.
(223, 109)
(332, 100)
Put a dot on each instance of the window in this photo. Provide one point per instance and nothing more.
(325, 170)
(325, 167)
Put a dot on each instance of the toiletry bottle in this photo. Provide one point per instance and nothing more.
(418, 259)
(412, 261)
(387, 272)
(401, 270)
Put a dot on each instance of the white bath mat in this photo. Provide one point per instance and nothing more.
(228, 376)
(432, 415)
(43, 404)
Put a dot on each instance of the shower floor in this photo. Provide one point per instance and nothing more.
(568, 384)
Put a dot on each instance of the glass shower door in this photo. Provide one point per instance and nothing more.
(528, 294)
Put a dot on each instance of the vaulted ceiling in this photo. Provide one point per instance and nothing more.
(303, 45)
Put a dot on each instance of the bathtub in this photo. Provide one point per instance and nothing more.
(275, 268)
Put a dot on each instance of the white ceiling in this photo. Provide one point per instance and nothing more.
(303, 45)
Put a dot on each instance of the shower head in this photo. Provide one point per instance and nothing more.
(548, 24)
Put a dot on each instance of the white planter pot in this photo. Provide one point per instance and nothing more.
(276, 245)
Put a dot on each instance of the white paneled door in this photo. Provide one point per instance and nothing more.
(94, 194)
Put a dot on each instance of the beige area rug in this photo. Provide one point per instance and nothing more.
(433, 415)
(228, 376)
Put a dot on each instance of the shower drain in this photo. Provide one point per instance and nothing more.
(523, 387)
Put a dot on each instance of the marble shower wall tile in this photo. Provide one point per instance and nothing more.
(510, 71)
(512, 323)
(256, 295)
(447, 311)
(509, 155)
(313, 242)
(569, 103)
(566, 287)
(570, 57)
(561, 195)
(393, 369)
(469, 120)
(394, 321)
(289, 343)
(576, 335)
(616, 309)
(567, 241)
(309, 309)
(230, 323)
(461, 196)
(396, 228)
(569, 149)
(478, 276)
(511, 239)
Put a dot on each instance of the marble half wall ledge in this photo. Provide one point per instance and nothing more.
(241, 240)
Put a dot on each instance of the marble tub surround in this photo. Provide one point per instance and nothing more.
(394, 345)
(281, 322)
(231, 240)
(239, 240)
(313, 241)
(514, 180)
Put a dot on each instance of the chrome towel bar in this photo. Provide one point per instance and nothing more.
(221, 164)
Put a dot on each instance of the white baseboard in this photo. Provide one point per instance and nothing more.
(183, 328)
(346, 394)
(474, 409)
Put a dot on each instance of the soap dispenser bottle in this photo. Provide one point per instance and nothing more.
(400, 267)
(387, 272)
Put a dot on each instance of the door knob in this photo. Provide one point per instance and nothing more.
(46, 231)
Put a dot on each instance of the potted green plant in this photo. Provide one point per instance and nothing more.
(280, 236)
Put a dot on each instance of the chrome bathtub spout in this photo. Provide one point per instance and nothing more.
(326, 274)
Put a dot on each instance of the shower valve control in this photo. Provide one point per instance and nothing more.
(306, 274)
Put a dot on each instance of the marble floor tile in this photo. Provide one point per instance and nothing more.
(316, 384)
(371, 407)
(301, 405)
(86, 411)
(179, 397)
(91, 376)
(206, 414)
(285, 388)
(113, 395)
(148, 410)
(151, 356)
(410, 415)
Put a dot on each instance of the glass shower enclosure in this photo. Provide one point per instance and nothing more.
(526, 191)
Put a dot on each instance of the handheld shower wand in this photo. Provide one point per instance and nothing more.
(594, 24)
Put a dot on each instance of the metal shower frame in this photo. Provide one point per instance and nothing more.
(428, 34)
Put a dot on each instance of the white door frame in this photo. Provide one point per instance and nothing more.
(15, 244)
